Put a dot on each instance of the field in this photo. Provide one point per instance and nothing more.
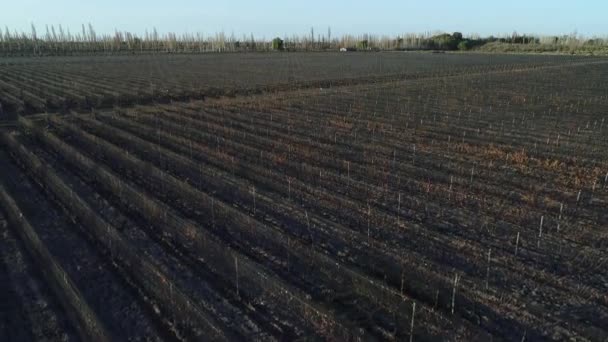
(320, 196)
(34, 85)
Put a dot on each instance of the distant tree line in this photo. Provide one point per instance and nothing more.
(60, 41)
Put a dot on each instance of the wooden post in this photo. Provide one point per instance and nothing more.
(236, 267)
(398, 208)
(540, 231)
(456, 279)
(488, 268)
(412, 324)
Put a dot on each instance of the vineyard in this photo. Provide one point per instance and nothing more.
(60, 84)
(365, 197)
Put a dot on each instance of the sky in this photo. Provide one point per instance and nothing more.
(270, 18)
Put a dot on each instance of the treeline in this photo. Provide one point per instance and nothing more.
(60, 41)
(515, 43)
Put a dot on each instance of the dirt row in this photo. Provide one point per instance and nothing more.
(28, 311)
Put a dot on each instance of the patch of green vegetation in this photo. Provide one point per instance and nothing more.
(278, 44)
(362, 45)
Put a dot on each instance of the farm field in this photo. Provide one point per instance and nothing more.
(33, 85)
(356, 197)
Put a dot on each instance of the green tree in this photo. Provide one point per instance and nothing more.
(362, 44)
(444, 41)
(277, 44)
(465, 45)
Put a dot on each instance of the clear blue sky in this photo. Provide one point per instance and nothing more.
(269, 18)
